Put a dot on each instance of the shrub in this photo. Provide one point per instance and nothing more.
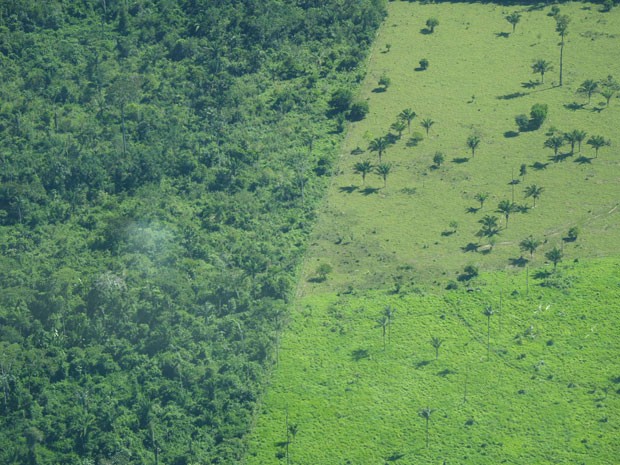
(523, 122)
(538, 115)
(423, 63)
(358, 111)
(340, 100)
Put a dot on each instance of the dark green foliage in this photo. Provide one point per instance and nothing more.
(424, 64)
(538, 115)
(161, 162)
(358, 111)
(523, 122)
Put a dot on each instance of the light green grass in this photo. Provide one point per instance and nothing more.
(549, 392)
(370, 239)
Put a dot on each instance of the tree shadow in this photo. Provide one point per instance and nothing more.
(520, 262)
(538, 166)
(574, 106)
(357, 151)
(472, 210)
(422, 363)
(369, 190)
(281, 443)
(379, 90)
(426, 31)
(597, 109)
(446, 372)
(394, 456)
(460, 160)
(582, 160)
(413, 142)
(391, 138)
(471, 247)
(348, 189)
(560, 157)
(360, 354)
(511, 96)
(510, 134)
(542, 274)
(447, 233)
(503, 35)
(530, 84)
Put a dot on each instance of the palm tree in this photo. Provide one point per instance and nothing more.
(388, 312)
(436, 343)
(383, 323)
(481, 197)
(533, 191)
(489, 226)
(407, 115)
(529, 244)
(597, 142)
(588, 87)
(555, 143)
(383, 170)
(426, 124)
(426, 414)
(513, 18)
(431, 24)
(607, 93)
(541, 66)
(472, 143)
(561, 27)
(378, 145)
(572, 138)
(580, 136)
(488, 312)
(506, 207)
(555, 256)
(523, 171)
(399, 126)
(363, 168)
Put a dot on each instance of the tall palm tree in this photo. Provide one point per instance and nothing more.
(426, 124)
(513, 18)
(398, 126)
(378, 145)
(407, 116)
(488, 312)
(529, 244)
(598, 142)
(541, 66)
(534, 191)
(572, 138)
(388, 312)
(580, 136)
(383, 170)
(481, 197)
(588, 87)
(472, 143)
(506, 207)
(561, 27)
(383, 323)
(607, 93)
(436, 343)
(426, 413)
(555, 143)
(555, 256)
(363, 168)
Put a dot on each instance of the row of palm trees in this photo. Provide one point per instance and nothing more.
(575, 137)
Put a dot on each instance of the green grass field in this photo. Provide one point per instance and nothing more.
(547, 388)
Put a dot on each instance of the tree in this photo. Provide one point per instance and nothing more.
(538, 115)
(438, 159)
(523, 122)
(555, 143)
(561, 27)
(363, 168)
(534, 191)
(555, 256)
(383, 170)
(423, 64)
(384, 82)
(427, 123)
(431, 24)
(383, 323)
(529, 244)
(588, 87)
(579, 136)
(598, 142)
(426, 414)
(340, 100)
(513, 19)
(488, 312)
(388, 312)
(378, 145)
(523, 171)
(436, 343)
(322, 271)
(541, 66)
(572, 138)
(473, 142)
(481, 197)
(607, 94)
(358, 111)
(506, 207)
(399, 126)
(407, 116)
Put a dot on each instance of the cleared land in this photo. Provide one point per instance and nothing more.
(536, 381)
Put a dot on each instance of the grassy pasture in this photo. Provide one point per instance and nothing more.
(546, 389)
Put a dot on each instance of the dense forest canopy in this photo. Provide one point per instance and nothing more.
(160, 163)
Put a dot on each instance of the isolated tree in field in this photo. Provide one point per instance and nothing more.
(598, 142)
(481, 197)
(473, 142)
(523, 171)
(423, 63)
(588, 87)
(383, 323)
(513, 19)
(488, 312)
(533, 191)
(431, 24)
(378, 145)
(383, 170)
(490, 226)
(438, 159)
(322, 271)
(555, 143)
(427, 123)
(384, 82)
(407, 116)
(426, 413)
(541, 66)
(529, 244)
(555, 256)
(363, 168)
(506, 208)
(561, 27)
(436, 343)
(607, 94)
(398, 126)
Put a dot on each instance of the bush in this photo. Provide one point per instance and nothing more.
(523, 122)
(538, 115)
(423, 63)
(358, 111)
(573, 233)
